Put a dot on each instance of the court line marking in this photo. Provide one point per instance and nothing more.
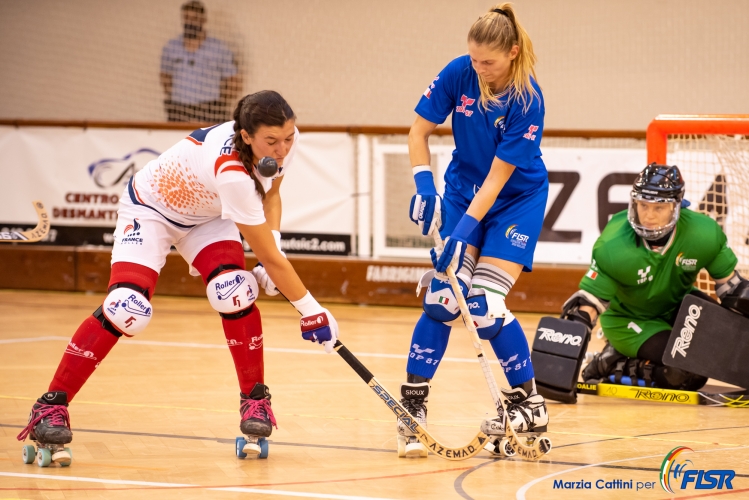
(223, 346)
(520, 494)
(179, 485)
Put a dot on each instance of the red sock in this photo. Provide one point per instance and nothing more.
(244, 335)
(88, 347)
(91, 342)
(245, 339)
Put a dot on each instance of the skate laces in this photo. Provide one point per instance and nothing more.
(57, 414)
(415, 407)
(259, 409)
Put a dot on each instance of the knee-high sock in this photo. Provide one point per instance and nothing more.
(511, 349)
(244, 336)
(92, 342)
(88, 347)
(428, 345)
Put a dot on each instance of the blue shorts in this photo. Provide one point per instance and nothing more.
(509, 231)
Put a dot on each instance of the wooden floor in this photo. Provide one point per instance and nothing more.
(159, 417)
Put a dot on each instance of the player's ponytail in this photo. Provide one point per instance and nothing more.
(500, 30)
(266, 107)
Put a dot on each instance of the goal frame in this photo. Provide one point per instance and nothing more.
(664, 125)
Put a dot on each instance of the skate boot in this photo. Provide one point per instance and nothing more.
(49, 428)
(528, 417)
(414, 397)
(257, 423)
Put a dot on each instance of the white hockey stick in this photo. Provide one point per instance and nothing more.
(33, 235)
(540, 446)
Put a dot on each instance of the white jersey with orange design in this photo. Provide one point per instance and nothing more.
(201, 178)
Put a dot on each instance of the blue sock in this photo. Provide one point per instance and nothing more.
(428, 345)
(511, 349)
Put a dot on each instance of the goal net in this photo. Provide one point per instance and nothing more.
(712, 152)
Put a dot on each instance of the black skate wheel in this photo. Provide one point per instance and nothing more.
(239, 446)
(263, 448)
(544, 444)
(29, 454)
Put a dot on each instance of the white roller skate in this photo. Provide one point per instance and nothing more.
(528, 416)
(257, 423)
(49, 428)
(414, 398)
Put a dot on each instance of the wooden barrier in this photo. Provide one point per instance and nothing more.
(348, 280)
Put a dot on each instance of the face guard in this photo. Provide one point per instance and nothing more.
(653, 233)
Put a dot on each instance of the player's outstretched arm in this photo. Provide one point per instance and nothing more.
(317, 323)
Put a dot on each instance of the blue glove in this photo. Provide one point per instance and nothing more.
(426, 204)
(455, 246)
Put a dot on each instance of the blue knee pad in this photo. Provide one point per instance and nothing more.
(440, 303)
(428, 345)
(486, 328)
(511, 348)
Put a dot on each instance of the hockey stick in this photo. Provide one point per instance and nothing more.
(540, 446)
(32, 235)
(442, 451)
(731, 399)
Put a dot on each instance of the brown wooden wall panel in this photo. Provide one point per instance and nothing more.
(330, 279)
(37, 268)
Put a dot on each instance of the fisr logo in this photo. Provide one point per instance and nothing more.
(702, 479)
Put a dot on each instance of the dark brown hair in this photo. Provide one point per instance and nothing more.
(193, 6)
(266, 107)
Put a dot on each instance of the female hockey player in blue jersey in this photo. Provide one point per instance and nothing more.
(490, 216)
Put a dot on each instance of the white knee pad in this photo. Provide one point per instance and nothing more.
(129, 311)
(232, 291)
(488, 312)
(440, 303)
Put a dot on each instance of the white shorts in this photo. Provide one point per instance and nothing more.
(144, 237)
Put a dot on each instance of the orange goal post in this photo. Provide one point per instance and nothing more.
(712, 152)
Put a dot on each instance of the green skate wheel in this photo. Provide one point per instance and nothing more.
(66, 463)
(43, 457)
(263, 443)
(239, 446)
(29, 453)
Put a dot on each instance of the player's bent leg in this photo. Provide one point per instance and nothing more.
(666, 377)
(131, 286)
(527, 409)
(232, 291)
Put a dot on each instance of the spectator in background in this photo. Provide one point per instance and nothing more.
(198, 72)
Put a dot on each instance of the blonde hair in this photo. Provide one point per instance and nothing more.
(501, 31)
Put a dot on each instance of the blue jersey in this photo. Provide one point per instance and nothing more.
(505, 131)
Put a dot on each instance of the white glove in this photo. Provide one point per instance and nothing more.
(317, 323)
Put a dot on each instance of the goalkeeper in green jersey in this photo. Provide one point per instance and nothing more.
(644, 263)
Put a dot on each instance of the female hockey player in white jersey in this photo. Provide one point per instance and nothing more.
(496, 188)
(198, 196)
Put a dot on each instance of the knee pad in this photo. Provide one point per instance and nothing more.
(488, 312)
(126, 310)
(440, 303)
(231, 291)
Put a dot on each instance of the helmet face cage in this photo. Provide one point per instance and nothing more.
(652, 233)
(656, 184)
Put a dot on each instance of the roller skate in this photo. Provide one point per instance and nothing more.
(414, 397)
(257, 423)
(528, 418)
(49, 428)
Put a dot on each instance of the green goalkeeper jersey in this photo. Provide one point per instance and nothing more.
(646, 284)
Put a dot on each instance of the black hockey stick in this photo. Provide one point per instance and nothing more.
(32, 235)
(439, 449)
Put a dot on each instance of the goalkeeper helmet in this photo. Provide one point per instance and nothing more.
(655, 201)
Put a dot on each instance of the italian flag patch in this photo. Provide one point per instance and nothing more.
(444, 300)
(591, 274)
